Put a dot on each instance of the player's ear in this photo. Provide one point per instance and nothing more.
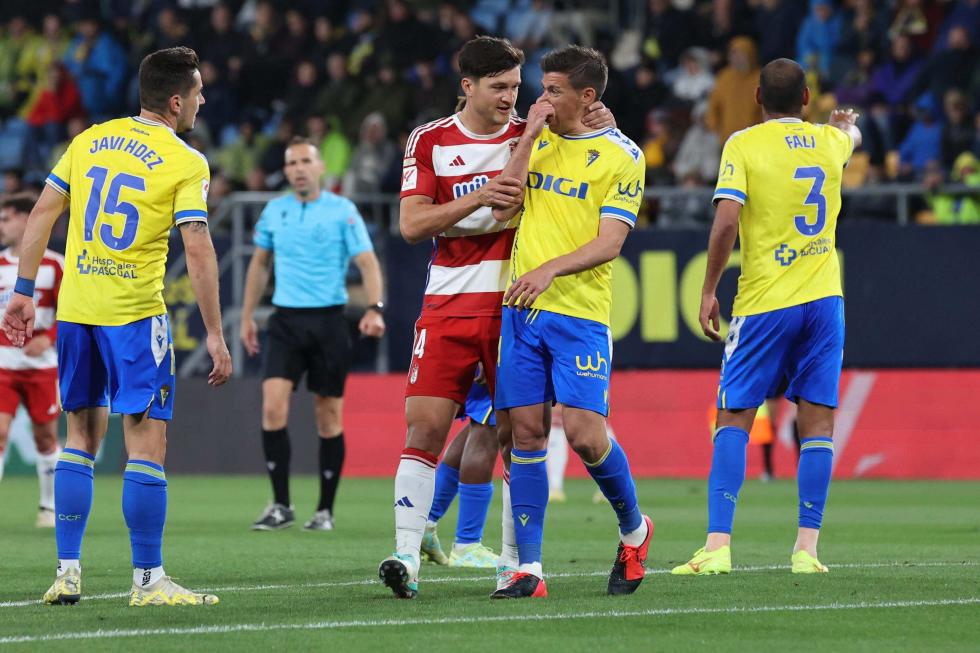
(806, 95)
(758, 95)
(467, 85)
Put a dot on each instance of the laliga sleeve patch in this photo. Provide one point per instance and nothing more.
(410, 178)
(205, 186)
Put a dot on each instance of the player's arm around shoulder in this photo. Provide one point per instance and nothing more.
(202, 269)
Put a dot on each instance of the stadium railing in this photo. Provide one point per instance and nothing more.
(237, 214)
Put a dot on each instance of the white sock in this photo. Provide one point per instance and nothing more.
(533, 568)
(45, 477)
(459, 548)
(415, 483)
(146, 577)
(635, 538)
(508, 543)
(431, 524)
(65, 565)
(557, 459)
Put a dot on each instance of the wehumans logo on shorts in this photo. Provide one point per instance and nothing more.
(597, 370)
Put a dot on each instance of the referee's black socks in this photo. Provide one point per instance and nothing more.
(275, 444)
(331, 462)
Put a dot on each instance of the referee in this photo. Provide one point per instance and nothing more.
(312, 235)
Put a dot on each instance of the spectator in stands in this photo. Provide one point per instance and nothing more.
(699, 155)
(12, 181)
(329, 39)
(668, 32)
(297, 41)
(302, 93)
(222, 45)
(818, 37)
(918, 20)
(265, 71)
(240, 157)
(732, 105)
(855, 84)
(341, 95)
(388, 95)
(777, 23)
(659, 146)
(372, 157)
(897, 77)
(98, 65)
(528, 26)
(435, 95)
(648, 93)
(955, 66)
(73, 128)
(274, 154)
(402, 39)
(37, 57)
(864, 29)
(220, 110)
(171, 30)
(956, 208)
(334, 148)
(693, 80)
(922, 145)
(958, 132)
(53, 106)
(12, 42)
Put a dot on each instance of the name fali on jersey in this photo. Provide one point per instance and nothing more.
(104, 267)
(138, 149)
(559, 186)
(795, 142)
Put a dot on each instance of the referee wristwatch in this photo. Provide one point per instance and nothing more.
(379, 307)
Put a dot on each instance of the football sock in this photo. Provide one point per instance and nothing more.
(813, 479)
(508, 539)
(275, 444)
(557, 459)
(72, 501)
(612, 474)
(146, 577)
(332, 452)
(474, 502)
(415, 483)
(447, 484)
(726, 477)
(46, 463)
(529, 499)
(144, 502)
(65, 565)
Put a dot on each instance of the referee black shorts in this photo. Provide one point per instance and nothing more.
(311, 341)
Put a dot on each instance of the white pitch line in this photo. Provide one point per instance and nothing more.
(332, 625)
(463, 579)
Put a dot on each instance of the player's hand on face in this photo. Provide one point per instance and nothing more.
(501, 192)
(844, 115)
(525, 290)
(18, 320)
(221, 359)
(37, 346)
(537, 116)
(709, 316)
(372, 324)
(249, 333)
(599, 117)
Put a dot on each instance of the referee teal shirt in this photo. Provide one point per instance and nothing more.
(312, 245)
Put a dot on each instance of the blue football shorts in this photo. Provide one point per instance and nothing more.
(801, 346)
(479, 405)
(547, 357)
(130, 368)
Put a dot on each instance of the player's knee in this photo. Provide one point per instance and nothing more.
(529, 436)
(275, 414)
(425, 435)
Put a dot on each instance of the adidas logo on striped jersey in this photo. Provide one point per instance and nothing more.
(458, 161)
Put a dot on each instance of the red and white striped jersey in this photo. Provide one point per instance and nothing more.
(46, 287)
(468, 271)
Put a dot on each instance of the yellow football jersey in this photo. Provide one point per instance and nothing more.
(786, 174)
(130, 181)
(573, 183)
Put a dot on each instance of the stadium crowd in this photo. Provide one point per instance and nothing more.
(357, 75)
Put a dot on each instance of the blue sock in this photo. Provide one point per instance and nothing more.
(447, 484)
(474, 502)
(528, 499)
(612, 474)
(726, 477)
(813, 479)
(145, 509)
(73, 477)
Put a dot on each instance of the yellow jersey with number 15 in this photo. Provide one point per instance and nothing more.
(786, 174)
(129, 182)
(573, 183)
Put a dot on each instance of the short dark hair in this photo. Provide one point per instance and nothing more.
(166, 73)
(21, 202)
(585, 67)
(487, 56)
(301, 140)
(782, 83)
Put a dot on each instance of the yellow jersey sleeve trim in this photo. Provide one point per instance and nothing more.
(59, 184)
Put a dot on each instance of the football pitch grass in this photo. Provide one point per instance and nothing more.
(904, 562)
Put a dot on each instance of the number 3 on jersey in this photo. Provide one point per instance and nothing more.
(814, 198)
(112, 205)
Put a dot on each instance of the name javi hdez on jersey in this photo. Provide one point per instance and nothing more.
(786, 173)
(573, 183)
(129, 182)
